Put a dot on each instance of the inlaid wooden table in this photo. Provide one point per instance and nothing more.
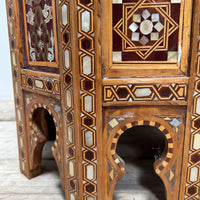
(116, 85)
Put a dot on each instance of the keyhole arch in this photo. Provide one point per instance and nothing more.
(44, 125)
(33, 124)
(161, 165)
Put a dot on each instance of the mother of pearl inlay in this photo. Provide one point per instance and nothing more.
(146, 27)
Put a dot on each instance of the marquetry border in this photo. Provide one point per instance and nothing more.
(86, 41)
(145, 92)
(191, 168)
(15, 44)
(40, 63)
(42, 84)
(71, 182)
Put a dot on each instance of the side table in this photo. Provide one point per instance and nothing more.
(115, 84)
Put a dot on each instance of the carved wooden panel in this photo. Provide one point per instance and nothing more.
(169, 121)
(146, 35)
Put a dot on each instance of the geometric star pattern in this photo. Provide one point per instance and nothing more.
(145, 27)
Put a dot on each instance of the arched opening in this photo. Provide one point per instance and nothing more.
(43, 122)
(45, 135)
(139, 147)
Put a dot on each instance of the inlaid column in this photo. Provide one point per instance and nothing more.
(190, 168)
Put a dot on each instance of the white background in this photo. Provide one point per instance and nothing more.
(6, 90)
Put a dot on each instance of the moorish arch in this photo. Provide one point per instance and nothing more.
(44, 125)
(162, 165)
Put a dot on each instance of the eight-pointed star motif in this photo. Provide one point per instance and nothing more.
(145, 30)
